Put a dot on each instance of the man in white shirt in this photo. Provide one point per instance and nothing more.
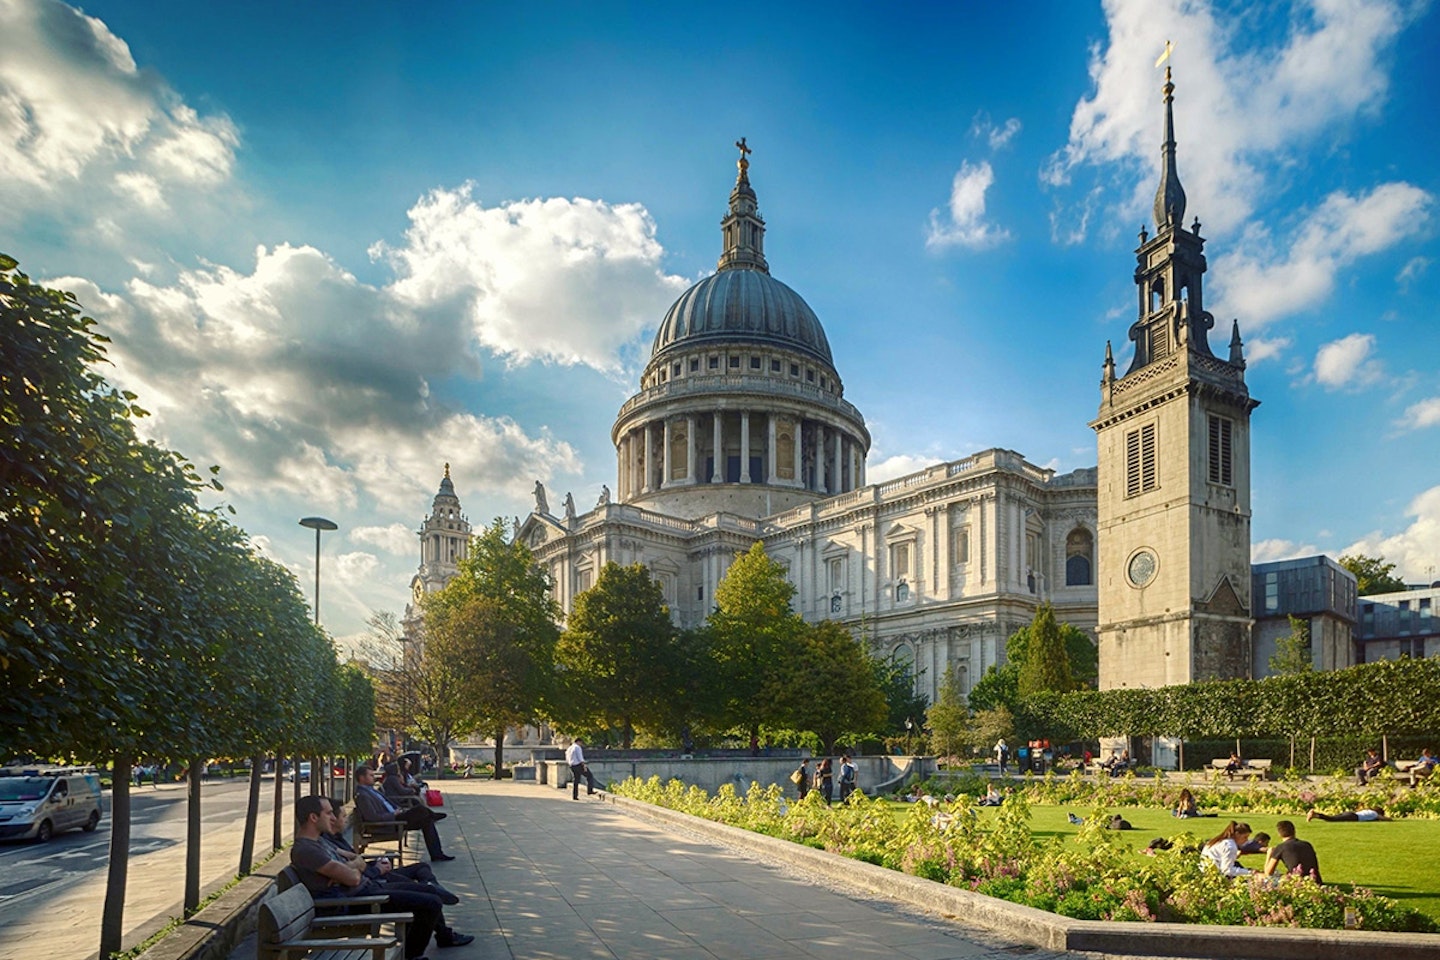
(575, 756)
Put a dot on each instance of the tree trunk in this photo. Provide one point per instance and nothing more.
(1182, 756)
(1312, 753)
(192, 836)
(295, 769)
(279, 799)
(499, 752)
(628, 733)
(252, 817)
(112, 919)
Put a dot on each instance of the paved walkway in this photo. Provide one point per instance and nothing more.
(541, 876)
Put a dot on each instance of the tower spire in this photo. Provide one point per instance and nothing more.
(1169, 196)
(742, 230)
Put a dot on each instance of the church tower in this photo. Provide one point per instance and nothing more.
(444, 542)
(1174, 471)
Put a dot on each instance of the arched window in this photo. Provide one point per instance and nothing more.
(1079, 558)
(1157, 295)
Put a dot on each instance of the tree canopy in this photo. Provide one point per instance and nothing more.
(1373, 574)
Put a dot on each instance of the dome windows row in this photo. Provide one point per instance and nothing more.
(717, 364)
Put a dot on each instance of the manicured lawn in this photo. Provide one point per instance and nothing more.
(1400, 860)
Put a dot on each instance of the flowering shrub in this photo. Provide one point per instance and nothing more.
(1093, 875)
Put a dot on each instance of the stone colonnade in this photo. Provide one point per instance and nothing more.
(781, 450)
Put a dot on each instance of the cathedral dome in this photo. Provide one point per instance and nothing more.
(746, 305)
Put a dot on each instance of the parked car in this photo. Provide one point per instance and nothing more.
(304, 772)
(39, 802)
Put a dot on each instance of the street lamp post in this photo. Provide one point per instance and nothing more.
(318, 524)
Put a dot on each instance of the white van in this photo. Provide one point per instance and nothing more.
(39, 802)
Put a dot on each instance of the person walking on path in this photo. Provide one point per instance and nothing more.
(326, 872)
(575, 756)
(801, 777)
(825, 777)
(849, 773)
(1295, 855)
(1002, 754)
(373, 805)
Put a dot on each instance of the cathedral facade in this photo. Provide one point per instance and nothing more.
(740, 432)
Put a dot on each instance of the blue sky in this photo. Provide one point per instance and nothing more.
(340, 245)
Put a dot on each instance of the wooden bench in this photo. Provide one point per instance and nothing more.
(1406, 768)
(289, 928)
(1250, 768)
(368, 832)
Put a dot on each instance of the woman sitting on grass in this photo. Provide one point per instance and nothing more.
(1223, 852)
(1186, 808)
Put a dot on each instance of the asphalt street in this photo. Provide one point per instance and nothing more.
(51, 895)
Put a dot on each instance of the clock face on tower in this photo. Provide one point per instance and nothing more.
(419, 590)
(1142, 567)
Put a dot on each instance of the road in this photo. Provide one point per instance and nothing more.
(51, 895)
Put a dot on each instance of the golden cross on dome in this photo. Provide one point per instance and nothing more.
(743, 148)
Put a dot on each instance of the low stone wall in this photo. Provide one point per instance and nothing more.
(217, 929)
(1049, 930)
(710, 772)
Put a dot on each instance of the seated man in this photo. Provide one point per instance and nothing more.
(1234, 766)
(326, 872)
(1369, 767)
(1423, 767)
(1294, 854)
(415, 876)
(397, 788)
(373, 806)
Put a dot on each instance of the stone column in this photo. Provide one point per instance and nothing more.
(690, 472)
(649, 454)
(798, 448)
(622, 472)
(717, 475)
(839, 478)
(820, 457)
(860, 458)
(771, 477)
(744, 446)
(665, 471)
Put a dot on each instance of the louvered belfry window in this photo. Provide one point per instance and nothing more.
(1222, 459)
(1140, 474)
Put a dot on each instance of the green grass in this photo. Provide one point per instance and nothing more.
(1398, 860)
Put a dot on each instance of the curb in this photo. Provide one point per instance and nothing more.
(1051, 931)
(216, 930)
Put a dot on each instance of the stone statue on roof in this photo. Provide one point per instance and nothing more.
(604, 496)
(542, 506)
(569, 508)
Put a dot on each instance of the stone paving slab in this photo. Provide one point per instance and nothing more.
(542, 877)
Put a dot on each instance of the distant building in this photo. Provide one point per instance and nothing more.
(1314, 589)
(1394, 625)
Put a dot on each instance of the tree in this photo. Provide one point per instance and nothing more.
(1373, 574)
(615, 653)
(948, 717)
(1046, 663)
(896, 679)
(1292, 652)
(495, 621)
(752, 631)
(999, 686)
(417, 688)
(828, 686)
(987, 727)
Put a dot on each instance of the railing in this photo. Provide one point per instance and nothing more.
(741, 383)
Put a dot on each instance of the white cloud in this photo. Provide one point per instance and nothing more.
(569, 281)
(303, 382)
(1414, 268)
(1346, 362)
(1259, 349)
(900, 465)
(1262, 281)
(1240, 104)
(1414, 549)
(395, 538)
(997, 137)
(966, 225)
(81, 123)
(1266, 551)
(355, 569)
(1420, 415)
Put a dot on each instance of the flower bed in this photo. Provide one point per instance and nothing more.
(1093, 875)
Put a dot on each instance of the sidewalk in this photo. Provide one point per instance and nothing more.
(541, 876)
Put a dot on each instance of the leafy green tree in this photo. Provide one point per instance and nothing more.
(495, 621)
(827, 686)
(998, 686)
(416, 688)
(1292, 651)
(948, 718)
(897, 680)
(987, 727)
(615, 653)
(1373, 574)
(1041, 653)
(752, 631)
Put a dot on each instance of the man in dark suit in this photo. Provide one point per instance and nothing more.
(374, 806)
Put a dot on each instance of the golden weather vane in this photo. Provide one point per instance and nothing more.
(1166, 55)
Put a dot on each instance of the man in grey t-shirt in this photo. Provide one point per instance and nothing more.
(1294, 854)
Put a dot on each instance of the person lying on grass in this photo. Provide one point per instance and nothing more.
(1223, 852)
(1362, 815)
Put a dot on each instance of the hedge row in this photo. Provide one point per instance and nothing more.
(1394, 697)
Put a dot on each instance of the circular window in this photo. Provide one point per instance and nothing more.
(1142, 567)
